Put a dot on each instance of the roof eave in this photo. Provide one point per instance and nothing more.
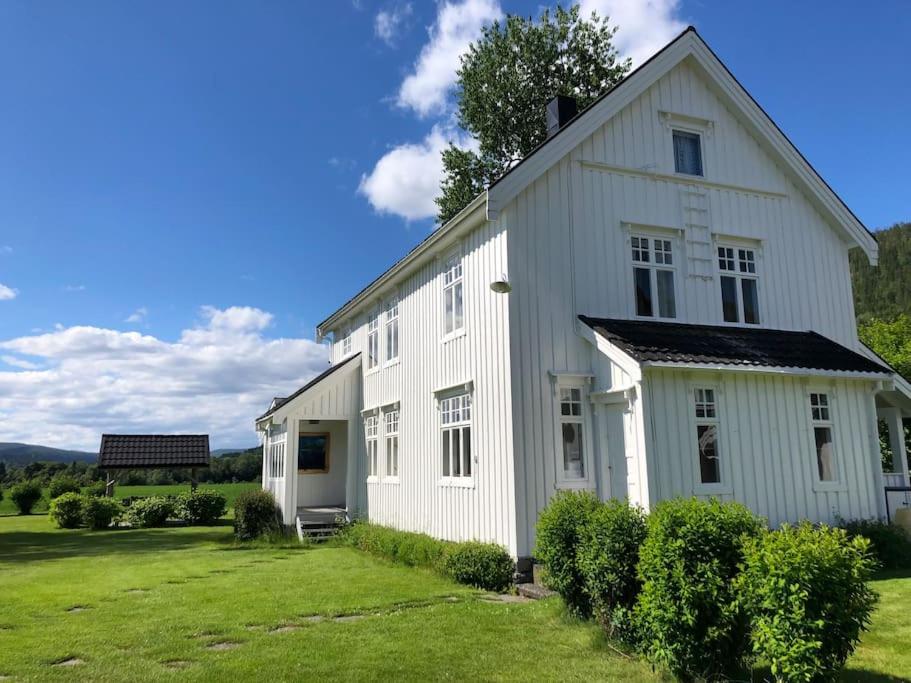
(767, 369)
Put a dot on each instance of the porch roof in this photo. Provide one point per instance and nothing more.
(661, 342)
(278, 402)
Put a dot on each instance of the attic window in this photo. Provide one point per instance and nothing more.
(687, 153)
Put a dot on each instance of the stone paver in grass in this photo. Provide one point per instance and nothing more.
(346, 618)
(285, 628)
(69, 661)
(223, 645)
(78, 608)
(505, 597)
(176, 664)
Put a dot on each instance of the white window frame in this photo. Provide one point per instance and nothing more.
(453, 282)
(346, 344)
(580, 384)
(371, 436)
(391, 332)
(700, 136)
(456, 411)
(723, 486)
(734, 262)
(277, 443)
(824, 417)
(391, 426)
(373, 341)
(652, 265)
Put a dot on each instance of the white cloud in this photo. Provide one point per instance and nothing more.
(138, 315)
(645, 26)
(389, 22)
(406, 179)
(457, 24)
(7, 293)
(216, 378)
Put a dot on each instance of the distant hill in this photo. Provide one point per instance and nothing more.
(884, 291)
(219, 452)
(24, 453)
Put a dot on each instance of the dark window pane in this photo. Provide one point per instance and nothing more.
(750, 302)
(573, 464)
(466, 437)
(456, 454)
(643, 284)
(825, 458)
(312, 450)
(667, 306)
(687, 153)
(709, 468)
(729, 300)
(446, 453)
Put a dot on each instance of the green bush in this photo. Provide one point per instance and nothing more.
(150, 512)
(558, 536)
(483, 565)
(98, 512)
(888, 543)
(201, 506)
(25, 495)
(96, 489)
(807, 595)
(688, 616)
(607, 557)
(414, 550)
(60, 484)
(256, 514)
(66, 510)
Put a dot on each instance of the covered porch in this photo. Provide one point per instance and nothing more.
(310, 445)
(893, 412)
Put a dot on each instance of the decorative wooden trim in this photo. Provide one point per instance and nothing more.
(673, 120)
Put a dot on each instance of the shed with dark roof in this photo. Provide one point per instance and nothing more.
(149, 451)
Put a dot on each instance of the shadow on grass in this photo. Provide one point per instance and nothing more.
(885, 574)
(34, 546)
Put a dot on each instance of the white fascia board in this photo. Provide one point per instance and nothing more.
(466, 220)
(768, 370)
(618, 356)
(287, 408)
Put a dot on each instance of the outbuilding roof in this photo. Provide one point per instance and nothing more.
(673, 343)
(153, 450)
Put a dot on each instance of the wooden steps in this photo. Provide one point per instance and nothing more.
(320, 523)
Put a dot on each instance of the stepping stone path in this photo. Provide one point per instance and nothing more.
(505, 597)
(286, 628)
(176, 664)
(223, 645)
(71, 661)
(136, 591)
(346, 618)
(314, 618)
(77, 608)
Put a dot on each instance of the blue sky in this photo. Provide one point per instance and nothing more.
(186, 189)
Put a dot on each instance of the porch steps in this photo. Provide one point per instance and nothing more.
(319, 524)
(535, 589)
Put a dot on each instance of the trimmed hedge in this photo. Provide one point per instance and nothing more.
(150, 512)
(689, 617)
(806, 591)
(60, 484)
(201, 506)
(256, 514)
(25, 495)
(483, 565)
(98, 512)
(559, 530)
(66, 510)
(888, 543)
(607, 557)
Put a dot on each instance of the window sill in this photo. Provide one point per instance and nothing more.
(391, 363)
(579, 484)
(829, 487)
(372, 371)
(456, 482)
(452, 336)
(391, 480)
(713, 490)
(373, 479)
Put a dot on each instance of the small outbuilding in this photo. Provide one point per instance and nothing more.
(153, 451)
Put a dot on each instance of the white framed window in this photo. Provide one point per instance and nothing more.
(708, 426)
(373, 341)
(346, 343)
(572, 465)
(453, 296)
(739, 284)
(455, 419)
(391, 431)
(276, 453)
(687, 152)
(654, 276)
(823, 428)
(392, 331)
(371, 425)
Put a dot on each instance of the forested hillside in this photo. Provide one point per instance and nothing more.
(884, 291)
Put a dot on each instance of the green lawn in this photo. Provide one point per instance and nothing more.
(163, 604)
(231, 492)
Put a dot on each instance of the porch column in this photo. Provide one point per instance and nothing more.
(290, 492)
(893, 418)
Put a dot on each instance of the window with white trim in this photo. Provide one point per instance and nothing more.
(572, 430)
(653, 276)
(687, 152)
(820, 413)
(392, 331)
(373, 341)
(371, 423)
(276, 453)
(739, 284)
(346, 343)
(455, 420)
(391, 429)
(453, 296)
(708, 425)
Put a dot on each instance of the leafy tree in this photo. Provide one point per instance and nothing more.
(504, 83)
(891, 340)
(882, 291)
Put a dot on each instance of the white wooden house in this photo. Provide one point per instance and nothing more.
(656, 302)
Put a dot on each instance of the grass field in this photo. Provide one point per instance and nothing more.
(231, 492)
(187, 603)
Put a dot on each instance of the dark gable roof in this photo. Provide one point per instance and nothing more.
(153, 450)
(737, 346)
(279, 402)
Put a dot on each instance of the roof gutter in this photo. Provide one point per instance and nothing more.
(768, 370)
(468, 218)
